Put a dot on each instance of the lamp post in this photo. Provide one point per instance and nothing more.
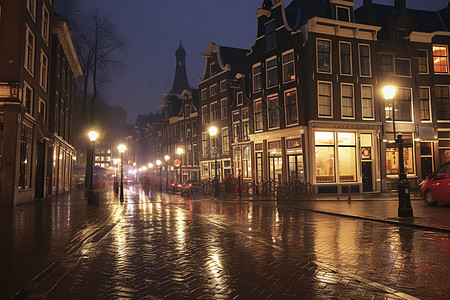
(166, 158)
(116, 161)
(122, 149)
(213, 133)
(158, 163)
(180, 153)
(404, 200)
(93, 135)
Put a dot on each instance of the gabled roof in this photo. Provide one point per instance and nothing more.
(300, 11)
(235, 57)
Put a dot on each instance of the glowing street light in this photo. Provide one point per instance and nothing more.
(158, 163)
(121, 149)
(93, 135)
(404, 200)
(213, 133)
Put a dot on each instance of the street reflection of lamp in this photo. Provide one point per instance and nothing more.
(122, 149)
(404, 200)
(158, 163)
(93, 135)
(166, 158)
(213, 133)
(180, 153)
(116, 162)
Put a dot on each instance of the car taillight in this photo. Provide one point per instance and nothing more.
(190, 184)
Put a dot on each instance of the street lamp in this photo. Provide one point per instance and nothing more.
(404, 200)
(116, 161)
(180, 153)
(93, 135)
(158, 163)
(122, 149)
(213, 133)
(166, 158)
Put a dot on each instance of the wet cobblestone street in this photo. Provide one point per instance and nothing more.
(168, 247)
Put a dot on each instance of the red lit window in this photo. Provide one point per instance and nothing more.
(440, 59)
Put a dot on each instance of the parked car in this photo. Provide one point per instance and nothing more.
(437, 186)
(175, 188)
(190, 186)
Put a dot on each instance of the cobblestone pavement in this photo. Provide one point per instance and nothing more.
(171, 247)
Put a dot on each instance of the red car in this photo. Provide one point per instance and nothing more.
(437, 186)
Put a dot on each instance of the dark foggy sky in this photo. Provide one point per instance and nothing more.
(153, 29)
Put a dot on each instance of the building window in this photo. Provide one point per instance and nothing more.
(237, 132)
(203, 94)
(443, 103)
(367, 101)
(224, 108)
(444, 146)
(256, 77)
(29, 50)
(44, 71)
(214, 111)
(246, 162)
(440, 59)
(45, 23)
(258, 111)
(343, 13)
(31, 6)
(223, 85)
(290, 100)
(245, 130)
(240, 98)
(213, 90)
(194, 128)
(323, 56)
(347, 156)
(271, 72)
(259, 167)
(425, 104)
(212, 68)
(402, 67)
(364, 60)
(422, 61)
(347, 110)
(26, 141)
(387, 63)
(324, 149)
(225, 140)
(28, 98)
(288, 67)
(271, 35)
(205, 115)
(346, 58)
(403, 109)
(274, 112)
(325, 100)
(205, 170)
(205, 143)
(392, 154)
(42, 110)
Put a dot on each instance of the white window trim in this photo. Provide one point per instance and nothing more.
(373, 105)
(24, 94)
(285, 110)
(210, 89)
(448, 63)
(268, 112)
(254, 115)
(351, 59)
(43, 84)
(211, 112)
(348, 10)
(331, 100)
(429, 104)
(370, 60)
(412, 108)
(395, 69)
(45, 112)
(224, 149)
(242, 114)
(426, 59)
(220, 85)
(353, 101)
(32, 13)
(27, 31)
(221, 109)
(206, 94)
(253, 79)
(283, 64)
(45, 35)
(203, 120)
(267, 71)
(331, 56)
(442, 121)
(237, 97)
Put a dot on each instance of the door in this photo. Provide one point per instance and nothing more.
(427, 166)
(275, 169)
(367, 176)
(39, 192)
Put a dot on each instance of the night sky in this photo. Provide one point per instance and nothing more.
(153, 29)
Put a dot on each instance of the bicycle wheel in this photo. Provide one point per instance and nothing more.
(207, 189)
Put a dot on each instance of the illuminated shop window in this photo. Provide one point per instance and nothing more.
(325, 171)
(392, 154)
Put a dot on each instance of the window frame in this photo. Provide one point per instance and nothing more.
(207, 145)
(437, 107)
(270, 35)
(43, 79)
(285, 64)
(204, 93)
(25, 87)
(45, 30)
(272, 58)
(395, 67)
(28, 31)
(205, 117)
(369, 59)
(426, 62)
(430, 120)
(214, 114)
(348, 11)
(330, 55)
(411, 106)
(224, 108)
(372, 103)
(296, 107)
(225, 146)
(276, 110)
(331, 100)
(224, 82)
(259, 76)
(447, 57)
(211, 89)
(255, 116)
(211, 69)
(340, 59)
(353, 101)
(44, 113)
(32, 13)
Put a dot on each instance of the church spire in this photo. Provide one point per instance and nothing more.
(180, 82)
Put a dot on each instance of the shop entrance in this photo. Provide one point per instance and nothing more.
(367, 176)
(275, 168)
